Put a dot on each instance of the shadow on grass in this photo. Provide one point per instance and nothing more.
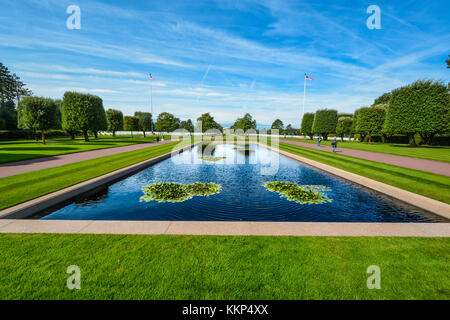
(49, 148)
(10, 160)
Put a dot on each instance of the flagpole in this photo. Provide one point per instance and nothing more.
(304, 97)
(151, 100)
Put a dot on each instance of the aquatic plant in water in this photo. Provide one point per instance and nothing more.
(306, 194)
(177, 192)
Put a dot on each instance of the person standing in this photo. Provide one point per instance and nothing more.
(334, 144)
(319, 141)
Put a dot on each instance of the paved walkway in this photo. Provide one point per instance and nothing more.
(230, 228)
(432, 166)
(18, 167)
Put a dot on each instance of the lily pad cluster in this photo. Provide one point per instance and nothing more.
(306, 194)
(211, 159)
(177, 192)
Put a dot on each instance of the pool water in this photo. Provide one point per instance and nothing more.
(243, 198)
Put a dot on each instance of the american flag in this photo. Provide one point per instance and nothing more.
(308, 78)
(151, 78)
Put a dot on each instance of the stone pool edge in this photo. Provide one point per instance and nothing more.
(227, 228)
(34, 206)
(434, 206)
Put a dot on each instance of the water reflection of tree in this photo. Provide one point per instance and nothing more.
(207, 149)
(96, 196)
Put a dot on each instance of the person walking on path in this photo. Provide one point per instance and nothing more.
(334, 144)
(319, 141)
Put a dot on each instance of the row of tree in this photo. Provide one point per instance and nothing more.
(84, 113)
(421, 108)
(77, 113)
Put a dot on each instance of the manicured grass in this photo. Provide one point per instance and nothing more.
(30, 149)
(427, 184)
(20, 188)
(211, 267)
(424, 152)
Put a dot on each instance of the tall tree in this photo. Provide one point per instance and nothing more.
(277, 125)
(80, 112)
(307, 123)
(167, 122)
(12, 89)
(245, 123)
(187, 125)
(145, 121)
(355, 125)
(325, 122)
(99, 123)
(208, 122)
(344, 127)
(290, 130)
(131, 124)
(38, 114)
(422, 107)
(114, 119)
(371, 120)
(8, 113)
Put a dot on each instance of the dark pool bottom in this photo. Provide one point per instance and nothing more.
(243, 198)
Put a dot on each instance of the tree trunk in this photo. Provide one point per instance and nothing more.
(86, 137)
(43, 136)
(96, 134)
(412, 141)
(370, 139)
(72, 135)
(362, 137)
(143, 133)
(114, 134)
(325, 136)
(132, 134)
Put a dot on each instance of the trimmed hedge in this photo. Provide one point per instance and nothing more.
(325, 122)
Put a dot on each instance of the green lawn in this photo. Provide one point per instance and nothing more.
(212, 267)
(425, 152)
(427, 184)
(19, 188)
(30, 149)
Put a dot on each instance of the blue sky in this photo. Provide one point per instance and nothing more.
(225, 57)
